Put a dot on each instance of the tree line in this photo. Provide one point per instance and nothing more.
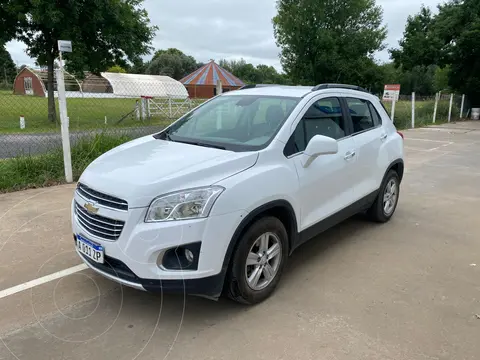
(335, 41)
(176, 64)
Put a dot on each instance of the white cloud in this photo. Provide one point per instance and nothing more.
(216, 29)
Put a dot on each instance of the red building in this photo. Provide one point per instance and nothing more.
(29, 82)
(202, 83)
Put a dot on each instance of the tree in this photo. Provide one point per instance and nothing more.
(116, 69)
(420, 45)
(139, 66)
(253, 74)
(458, 26)
(449, 40)
(171, 62)
(8, 70)
(103, 33)
(440, 79)
(328, 40)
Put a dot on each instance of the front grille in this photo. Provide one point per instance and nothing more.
(101, 198)
(97, 225)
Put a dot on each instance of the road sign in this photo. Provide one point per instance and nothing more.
(391, 93)
(64, 45)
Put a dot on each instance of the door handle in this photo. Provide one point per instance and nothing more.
(383, 137)
(349, 155)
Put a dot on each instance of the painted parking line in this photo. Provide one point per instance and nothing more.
(42, 280)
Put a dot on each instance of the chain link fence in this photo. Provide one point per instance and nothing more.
(131, 106)
(127, 106)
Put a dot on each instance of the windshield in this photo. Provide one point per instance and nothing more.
(235, 122)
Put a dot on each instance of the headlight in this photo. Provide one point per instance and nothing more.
(182, 205)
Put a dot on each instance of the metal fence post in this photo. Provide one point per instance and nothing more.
(393, 109)
(461, 107)
(413, 110)
(437, 97)
(64, 121)
(450, 108)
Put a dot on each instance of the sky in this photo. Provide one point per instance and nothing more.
(234, 29)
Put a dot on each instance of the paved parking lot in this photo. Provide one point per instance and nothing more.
(409, 289)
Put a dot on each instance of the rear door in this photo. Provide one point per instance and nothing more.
(368, 136)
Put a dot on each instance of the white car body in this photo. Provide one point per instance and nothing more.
(307, 199)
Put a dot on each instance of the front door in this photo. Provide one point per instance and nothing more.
(326, 186)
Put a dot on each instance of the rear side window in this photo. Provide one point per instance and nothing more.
(361, 114)
(325, 118)
(377, 120)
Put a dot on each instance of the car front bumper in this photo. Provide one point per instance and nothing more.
(135, 258)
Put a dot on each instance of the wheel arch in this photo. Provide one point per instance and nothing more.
(280, 209)
(399, 167)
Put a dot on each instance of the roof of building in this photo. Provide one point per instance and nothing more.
(136, 85)
(209, 74)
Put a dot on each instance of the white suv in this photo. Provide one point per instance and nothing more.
(217, 202)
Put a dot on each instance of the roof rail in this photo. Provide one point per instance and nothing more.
(252, 86)
(339, 86)
(248, 86)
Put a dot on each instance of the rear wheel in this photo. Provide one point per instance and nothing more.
(386, 203)
(258, 262)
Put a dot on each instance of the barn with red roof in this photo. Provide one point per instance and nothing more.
(202, 83)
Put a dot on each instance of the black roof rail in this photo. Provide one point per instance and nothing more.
(339, 86)
(252, 86)
(248, 86)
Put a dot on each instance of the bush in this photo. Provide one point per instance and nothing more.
(45, 170)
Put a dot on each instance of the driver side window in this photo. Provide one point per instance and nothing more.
(324, 117)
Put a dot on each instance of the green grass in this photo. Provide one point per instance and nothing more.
(84, 113)
(423, 113)
(45, 170)
(90, 113)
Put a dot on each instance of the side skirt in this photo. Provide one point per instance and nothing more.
(344, 214)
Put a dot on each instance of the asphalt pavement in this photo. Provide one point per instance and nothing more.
(12, 145)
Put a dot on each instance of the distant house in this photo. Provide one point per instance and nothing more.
(28, 82)
(202, 83)
(34, 82)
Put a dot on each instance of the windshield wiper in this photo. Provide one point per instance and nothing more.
(201, 144)
(206, 145)
(168, 137)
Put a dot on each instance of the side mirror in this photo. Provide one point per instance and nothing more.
(319, 145)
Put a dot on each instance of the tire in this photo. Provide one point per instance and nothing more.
(238, 287)
(377, 211)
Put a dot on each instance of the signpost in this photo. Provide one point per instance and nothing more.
(64, 46)
(391, 94)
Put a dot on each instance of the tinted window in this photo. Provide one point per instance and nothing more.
(323, 118)
(360, 113)
(377, 120)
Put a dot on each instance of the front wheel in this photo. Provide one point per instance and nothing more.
(384, 206)
(258, 262)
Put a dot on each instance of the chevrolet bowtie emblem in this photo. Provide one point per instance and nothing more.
(90, 208)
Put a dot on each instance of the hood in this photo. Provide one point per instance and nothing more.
(145, 168)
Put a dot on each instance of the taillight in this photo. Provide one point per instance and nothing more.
(399, 133)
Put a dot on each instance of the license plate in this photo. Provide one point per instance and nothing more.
(90, 250)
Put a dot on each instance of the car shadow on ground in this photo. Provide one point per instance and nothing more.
(313, 251)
